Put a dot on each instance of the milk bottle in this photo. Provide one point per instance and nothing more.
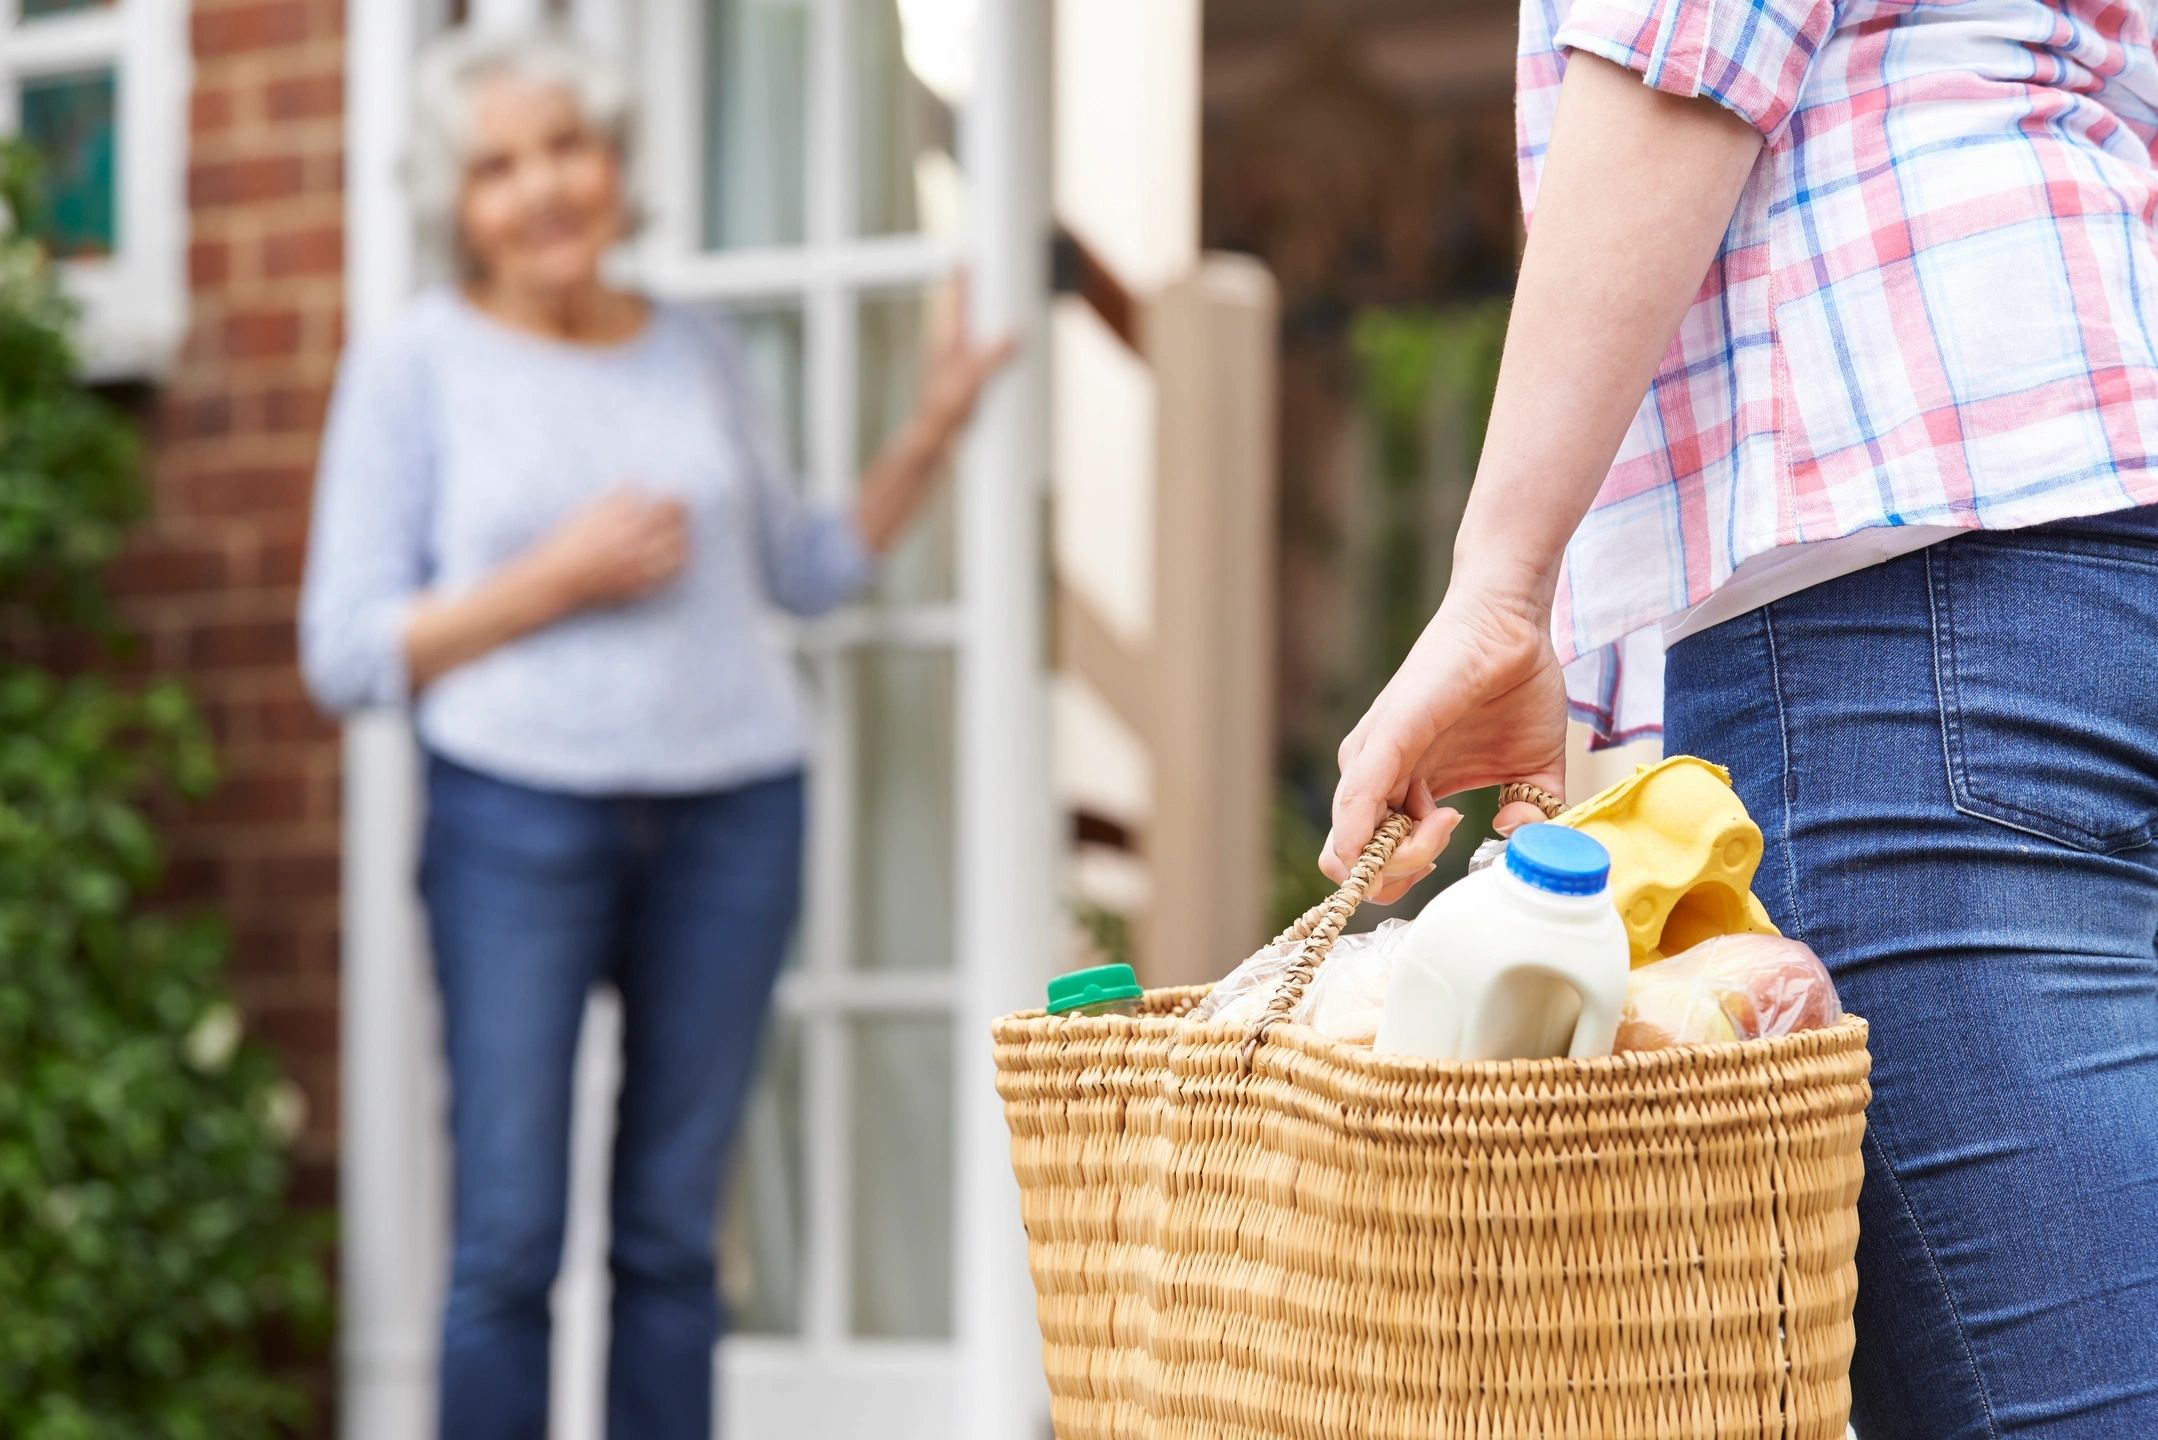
(1525, 958)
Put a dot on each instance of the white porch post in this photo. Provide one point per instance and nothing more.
(609, 24)
(505, 14)
(1007, 928)
(388, 1186)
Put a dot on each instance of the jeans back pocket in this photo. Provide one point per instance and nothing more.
(2049, 693)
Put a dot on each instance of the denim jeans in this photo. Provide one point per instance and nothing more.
(684, 904)
(1954, 759)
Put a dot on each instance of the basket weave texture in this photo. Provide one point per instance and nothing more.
(1262, 1234)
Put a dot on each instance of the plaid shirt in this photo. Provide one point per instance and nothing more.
(1935, 303)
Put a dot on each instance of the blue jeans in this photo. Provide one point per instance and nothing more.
(684, 904)
(1954, 758)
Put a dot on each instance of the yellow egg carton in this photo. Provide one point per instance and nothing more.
(1683, 855)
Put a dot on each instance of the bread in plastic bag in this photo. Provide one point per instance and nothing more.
(1730, 987)
(1247, 987)
(1343, 1000)
(1486, 854)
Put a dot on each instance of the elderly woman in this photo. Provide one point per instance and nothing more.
(548, 517)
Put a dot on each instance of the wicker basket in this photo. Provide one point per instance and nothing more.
(1245, 1233)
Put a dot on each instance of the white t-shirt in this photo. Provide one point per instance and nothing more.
(1793, 568)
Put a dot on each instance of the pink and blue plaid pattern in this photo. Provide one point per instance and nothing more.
(1935, 305)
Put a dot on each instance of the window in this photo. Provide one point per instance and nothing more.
(99, 88)
(805, 179)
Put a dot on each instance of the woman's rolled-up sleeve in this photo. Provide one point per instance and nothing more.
(817, 559)
(1750, 56)
(367, 544)
(814, 558)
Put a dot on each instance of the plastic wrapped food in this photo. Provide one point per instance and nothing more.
(1349, 991)
(1731, 987)
(1343, 1000)
(1253, 980)
(1487, 854)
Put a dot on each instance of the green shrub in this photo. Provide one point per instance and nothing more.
(146, 1249)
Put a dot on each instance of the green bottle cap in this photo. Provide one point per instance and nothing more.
(1099, 985)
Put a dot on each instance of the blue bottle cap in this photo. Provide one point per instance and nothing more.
(1558, 860)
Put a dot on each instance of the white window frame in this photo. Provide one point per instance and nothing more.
(827, 275)
(134, 302)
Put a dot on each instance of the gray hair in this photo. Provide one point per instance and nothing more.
(450, 68)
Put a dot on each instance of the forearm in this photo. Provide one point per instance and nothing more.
(899, 479)
(1638, 188)
(443, 632)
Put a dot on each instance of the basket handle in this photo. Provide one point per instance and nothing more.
(1321, 925)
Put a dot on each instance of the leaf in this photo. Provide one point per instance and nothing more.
(147, 1249)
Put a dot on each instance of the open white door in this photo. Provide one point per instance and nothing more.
(814, 168)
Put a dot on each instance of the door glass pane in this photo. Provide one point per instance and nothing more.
(902, 1183)
(915, 62)
(69, 119)
(919, 569)
(773, 339)
(756, 67)
(904, 870)
(761, 1240)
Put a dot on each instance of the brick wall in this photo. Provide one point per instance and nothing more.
(213, 583)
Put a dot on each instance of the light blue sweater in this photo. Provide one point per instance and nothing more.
(455, 443)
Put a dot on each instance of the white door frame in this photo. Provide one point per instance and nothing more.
(1008, 844)
(393, 1175)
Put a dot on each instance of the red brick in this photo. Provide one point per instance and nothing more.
(314, 1181)
(209, 264)
(224, 716)
(275, 797)
(213, 590)
(247, 181)
(192, 880)
(262, 334)
(237, 29)
(306, 97)
(280, 560)
(277, 688)
(318, 949)
(230, 644)
(210, 109)
(285, 718)
(314, 250)
(199, 417)
(327, 796)
(288, 408)
(298, 875)
(241, 490)
(70, 651)
(299, 1030)
(198, 349)
(153, 567)
(272, 946)
(315, 1072)
(326, 172)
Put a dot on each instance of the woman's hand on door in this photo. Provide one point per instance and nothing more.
(955, 370)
